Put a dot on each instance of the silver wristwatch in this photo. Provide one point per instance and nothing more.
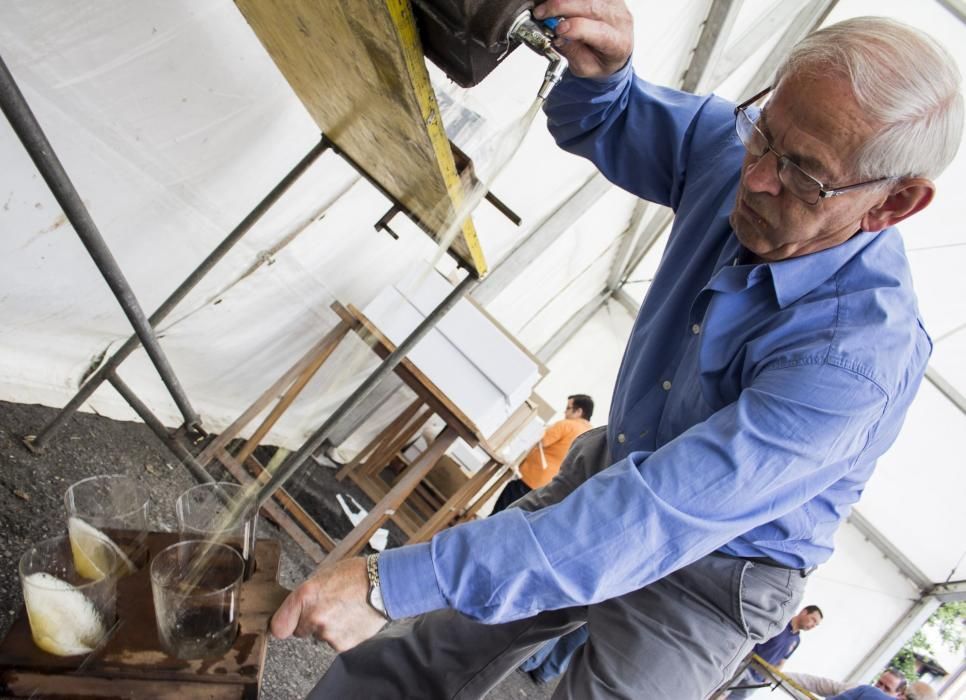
(375, 591)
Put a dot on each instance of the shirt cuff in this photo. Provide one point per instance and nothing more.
(607, 82)
(408, 581)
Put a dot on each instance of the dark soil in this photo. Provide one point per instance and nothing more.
(31, 509)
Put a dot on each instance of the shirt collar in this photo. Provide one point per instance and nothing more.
(796, 277)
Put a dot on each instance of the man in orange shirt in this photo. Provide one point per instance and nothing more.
(543, 462)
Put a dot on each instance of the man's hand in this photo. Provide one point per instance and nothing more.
(595, 36)
(330, 605)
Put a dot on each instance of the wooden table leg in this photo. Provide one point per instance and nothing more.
(458, 500)
(274, 511)
(379, 461)
(382, 439)
(320, 354)
(270, 394)
(490, 492)
(356, 540)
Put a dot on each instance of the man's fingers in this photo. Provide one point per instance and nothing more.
(286, 618)
(600, 36)
(582, 61)
(594, 9)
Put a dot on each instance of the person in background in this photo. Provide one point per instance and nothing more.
(777, 649)
(891, 682)
(919, 690)
(543, 462)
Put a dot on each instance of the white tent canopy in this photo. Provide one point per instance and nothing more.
(173, 123)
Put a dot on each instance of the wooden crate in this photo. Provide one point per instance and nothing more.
(132, 664)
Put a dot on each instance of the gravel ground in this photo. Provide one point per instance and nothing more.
(31, 508)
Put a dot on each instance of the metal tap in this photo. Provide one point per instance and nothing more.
(539, 37)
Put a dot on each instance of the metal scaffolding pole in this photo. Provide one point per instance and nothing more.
(106, 370)
(29, 132)
(308, 448)
(179, 450)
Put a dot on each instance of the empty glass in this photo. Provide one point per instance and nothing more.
(69, 612)
(108, 512)
(218, 511)
(196, 586)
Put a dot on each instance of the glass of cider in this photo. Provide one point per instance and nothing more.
(70, 612)
(196, 587)
(219, 511)
(107, 513)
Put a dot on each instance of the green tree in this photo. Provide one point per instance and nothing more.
(949, 621)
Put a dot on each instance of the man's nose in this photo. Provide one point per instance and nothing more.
(761, 174)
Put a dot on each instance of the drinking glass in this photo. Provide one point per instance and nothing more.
(196, 586)
(218, 511)
(108, 512)
(69, 613)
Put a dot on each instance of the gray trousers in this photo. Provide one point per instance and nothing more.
(679, 638)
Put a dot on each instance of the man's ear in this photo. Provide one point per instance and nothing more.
(905, 199)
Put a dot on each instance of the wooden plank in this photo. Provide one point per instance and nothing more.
(450, 510)
(381, 439)
(132, 664)
(355, 540)
(262, 402)
(514, 424)
(393, 447)
(25, 684)
(313, 546)
(376, 489)
(358, 69)
(321, 353)
(497, 485)
(374, 445)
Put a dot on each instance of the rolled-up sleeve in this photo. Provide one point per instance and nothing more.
(790, 435)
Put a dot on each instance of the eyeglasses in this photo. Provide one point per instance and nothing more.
(807, 188)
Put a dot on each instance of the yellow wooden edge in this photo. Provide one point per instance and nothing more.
(779, 676)
(402, 15)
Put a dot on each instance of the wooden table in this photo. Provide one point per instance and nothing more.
(406, 499)
(132, 664)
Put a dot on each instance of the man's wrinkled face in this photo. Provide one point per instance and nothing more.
(817, 124)
(889, 683)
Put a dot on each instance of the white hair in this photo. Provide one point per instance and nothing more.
(905, 82)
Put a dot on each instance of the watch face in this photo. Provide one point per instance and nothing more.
(375, 599)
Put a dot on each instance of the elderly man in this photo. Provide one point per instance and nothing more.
(771, 364)
(890, 682)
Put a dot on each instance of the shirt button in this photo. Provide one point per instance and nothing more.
(667, 385)
(621, 438)
(696, 328)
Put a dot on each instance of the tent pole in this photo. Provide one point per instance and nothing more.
(39, 442)
(31, 134)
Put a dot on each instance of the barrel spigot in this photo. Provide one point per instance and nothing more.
(539, 37)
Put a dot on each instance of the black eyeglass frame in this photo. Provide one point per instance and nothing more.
(783, 162)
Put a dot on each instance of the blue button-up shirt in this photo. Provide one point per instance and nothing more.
(752, 402)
